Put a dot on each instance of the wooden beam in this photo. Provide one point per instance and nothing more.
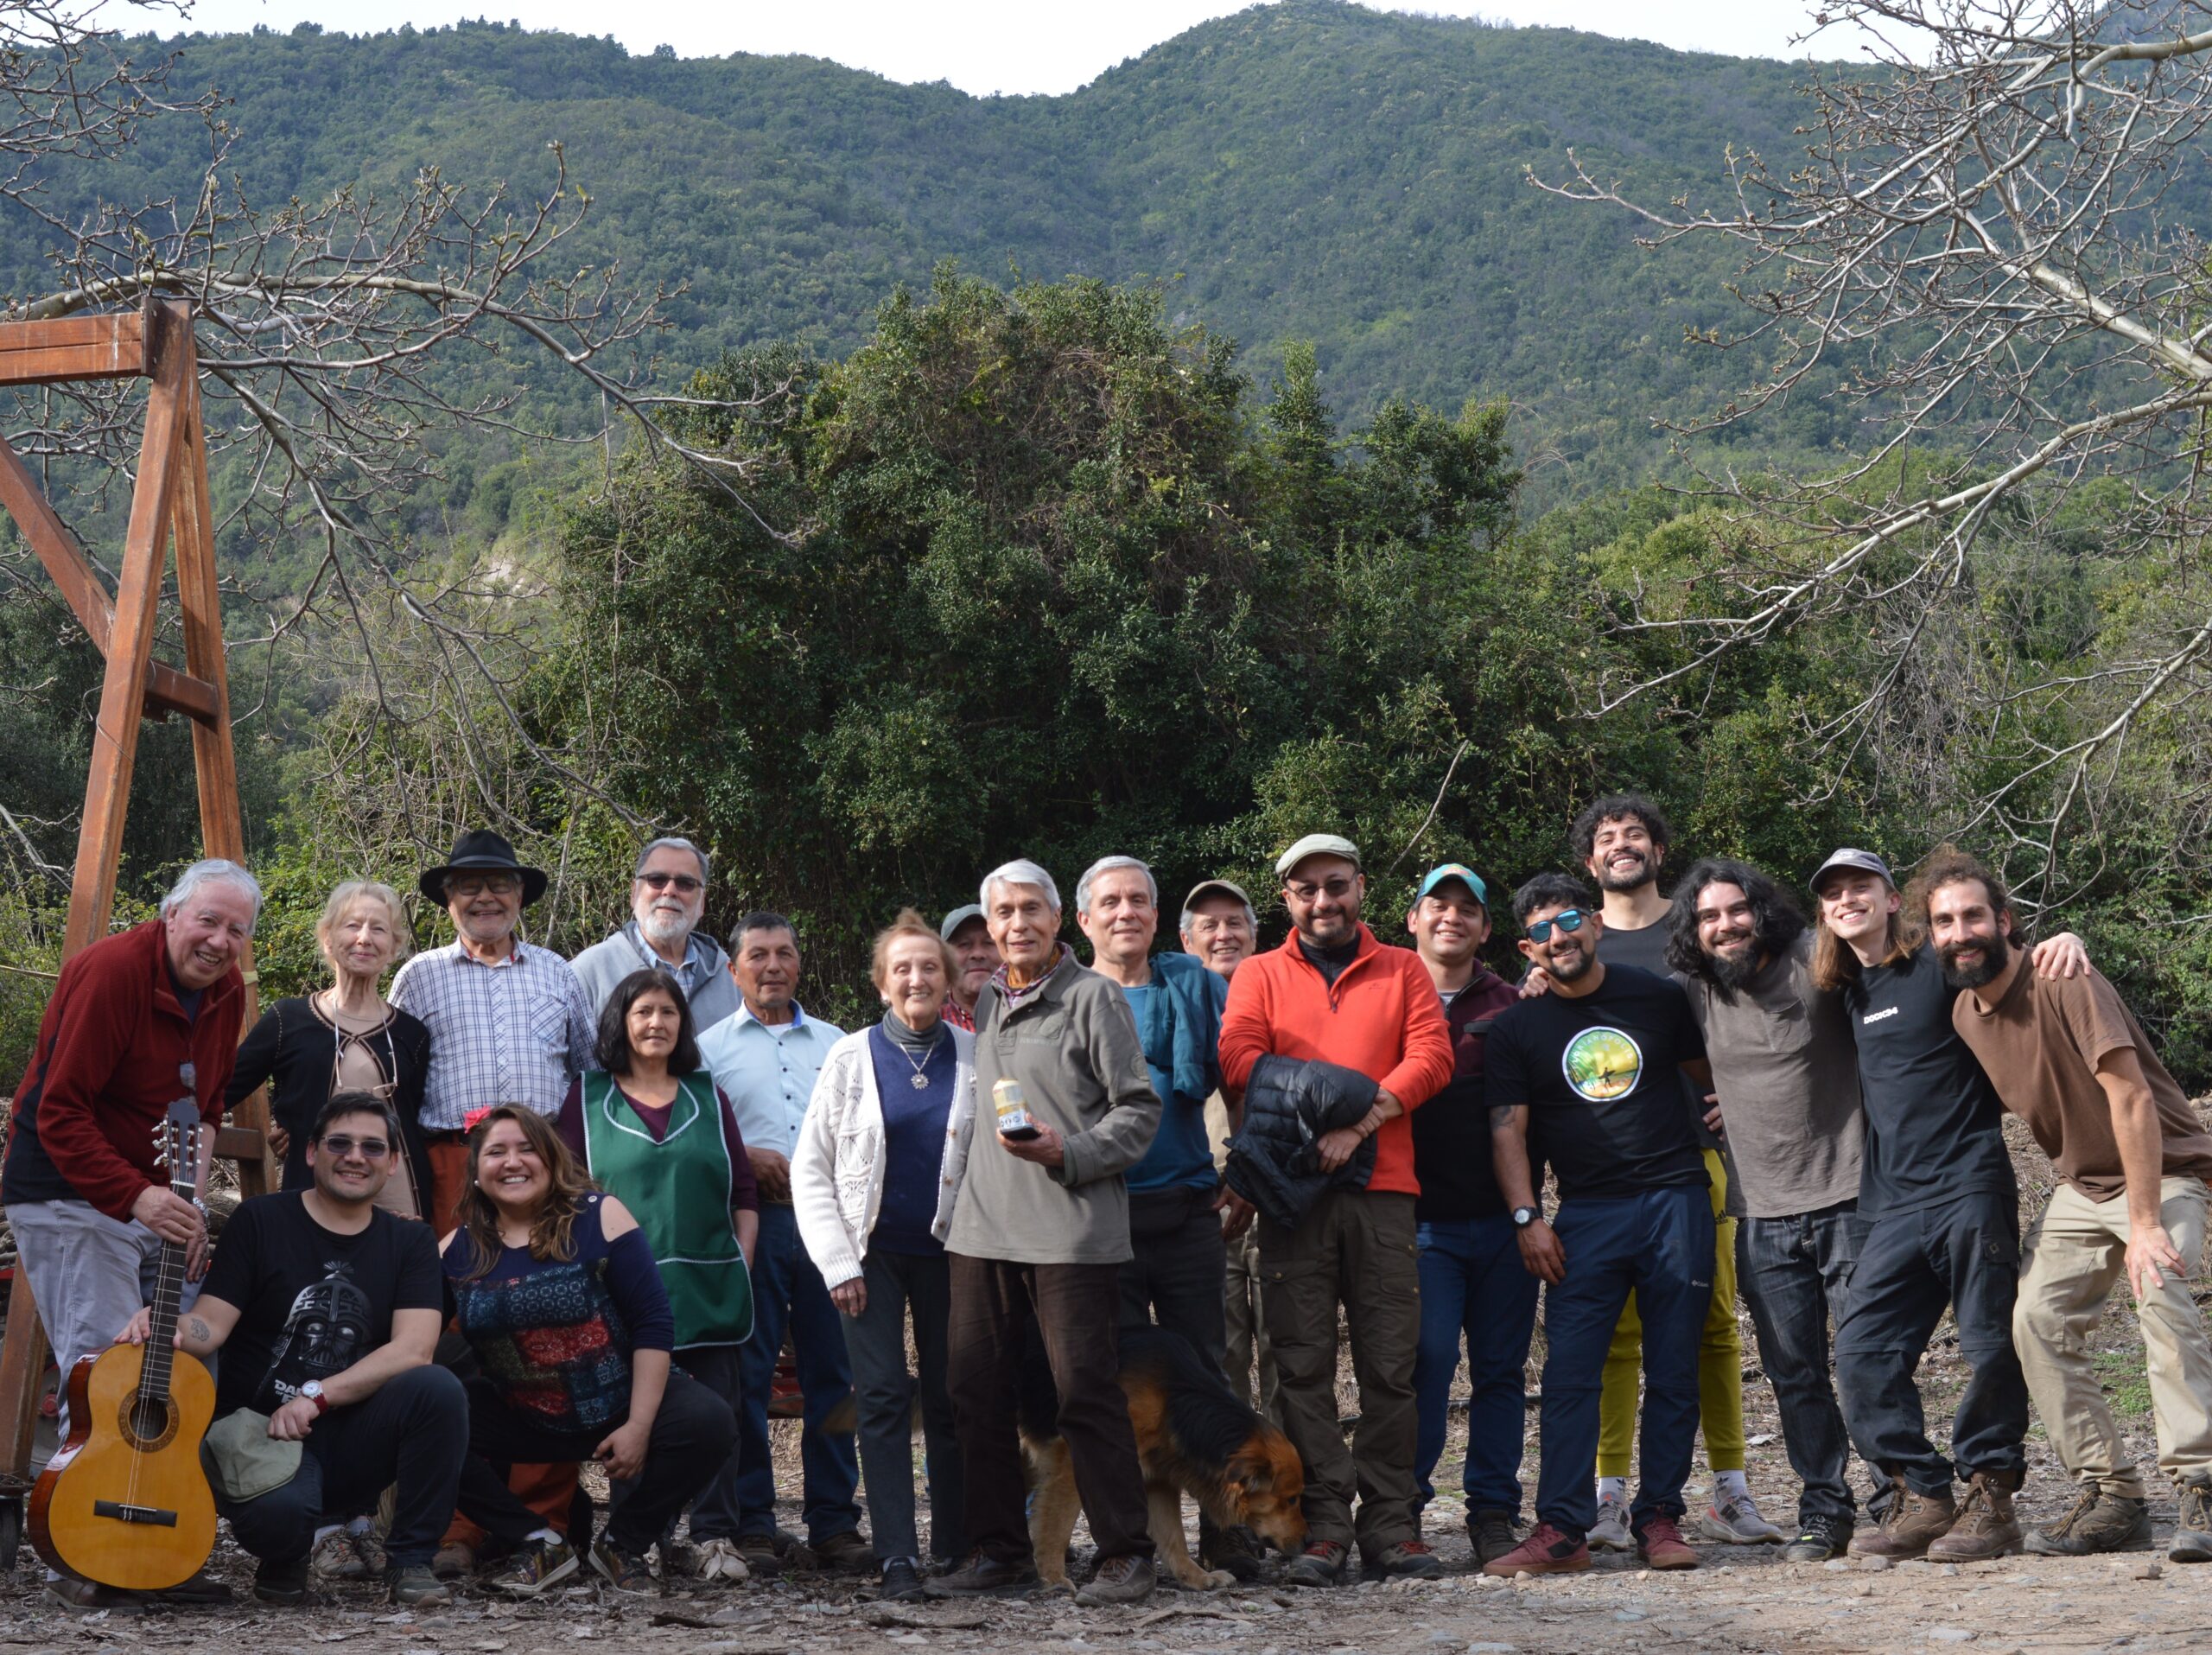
(22, 1367)
(109, 347)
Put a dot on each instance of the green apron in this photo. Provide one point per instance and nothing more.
(679, 1191)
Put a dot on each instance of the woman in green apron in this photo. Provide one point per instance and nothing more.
(658, 1136)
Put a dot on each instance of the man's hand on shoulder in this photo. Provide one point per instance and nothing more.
(2063, 955)
(1536, 984)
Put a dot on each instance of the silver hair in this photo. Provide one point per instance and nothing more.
(1251, 919)
(1020, 871)
(202, 873)
(1107, 865)
(673, 842)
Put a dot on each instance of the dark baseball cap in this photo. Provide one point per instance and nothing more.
(1865, 861)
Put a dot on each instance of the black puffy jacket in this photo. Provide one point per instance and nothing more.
(1289, 1103)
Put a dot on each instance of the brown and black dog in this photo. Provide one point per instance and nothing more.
(1194, 1434)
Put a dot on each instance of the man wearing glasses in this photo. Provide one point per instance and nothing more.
(668, 895)
(1333, 994)
(509, 1022)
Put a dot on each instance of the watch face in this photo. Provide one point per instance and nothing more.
(312, 1391)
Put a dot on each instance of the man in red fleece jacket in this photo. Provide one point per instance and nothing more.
(137, 1021)
(1332, 992)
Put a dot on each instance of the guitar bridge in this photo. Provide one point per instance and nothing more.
(123, 1513)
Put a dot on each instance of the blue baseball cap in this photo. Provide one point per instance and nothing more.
(1465, 875)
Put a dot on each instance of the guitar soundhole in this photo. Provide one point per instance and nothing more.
(148, 1424)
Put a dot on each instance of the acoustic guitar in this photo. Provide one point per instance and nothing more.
(125, 1503)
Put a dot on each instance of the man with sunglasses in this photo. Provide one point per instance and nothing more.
(1333, 994)
(668, 896)
(1586, 1078)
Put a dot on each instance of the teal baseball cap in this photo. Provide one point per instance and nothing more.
(1459, 871)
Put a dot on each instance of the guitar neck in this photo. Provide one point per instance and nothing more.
(161, 1331)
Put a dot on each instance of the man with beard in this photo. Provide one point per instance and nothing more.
(1938, 1227)
(974, 955)
(668, 895)
(2132, 1159)
(1588, 1078)
(1787, 1075)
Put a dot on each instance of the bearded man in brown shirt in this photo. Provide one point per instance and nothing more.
(2131, 1159)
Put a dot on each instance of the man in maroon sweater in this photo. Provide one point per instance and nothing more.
(137, 1021)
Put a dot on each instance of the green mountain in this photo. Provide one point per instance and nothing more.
(1303, 170)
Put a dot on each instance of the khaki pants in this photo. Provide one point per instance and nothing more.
(2075, 1252)
(1248, 1326)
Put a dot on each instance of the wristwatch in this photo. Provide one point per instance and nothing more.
(312, 1392)
(1525, 1216)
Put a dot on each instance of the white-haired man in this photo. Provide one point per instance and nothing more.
(1039, 1233)
(668, 896)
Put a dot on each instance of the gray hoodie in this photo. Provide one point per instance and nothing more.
(705, 975)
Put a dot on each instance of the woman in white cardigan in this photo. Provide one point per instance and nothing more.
(878, 1164)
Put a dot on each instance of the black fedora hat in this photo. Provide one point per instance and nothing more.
(480, 848)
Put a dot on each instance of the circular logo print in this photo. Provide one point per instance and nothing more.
(1602, 1064)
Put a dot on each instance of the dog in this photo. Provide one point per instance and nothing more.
(1195, 1436)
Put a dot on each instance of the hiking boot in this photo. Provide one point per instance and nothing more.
(1322, 1563)
(1986, 1526)
(1119, 1580)
(1235, 1550)
(451, 1562)
(412, 1586)
(902, 1583)
(1610, 1532)
(284, 1583)
(1737, 1522)
(535, 1565)
(2099, 1522)
(1913, 1523)
(624, 1570)
(1409, 1559)
(1659, 1545)
(760, 1552)
(347, 1554)
(1546, 1552)
(1818, 1539)
(2192, 1541)
(845, 1554)
(1490, 1533)
(984, 1575)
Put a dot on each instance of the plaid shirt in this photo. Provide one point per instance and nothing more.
(514, 1033)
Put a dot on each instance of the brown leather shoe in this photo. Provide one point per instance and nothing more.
(1986, 1527)
(1913, 1523)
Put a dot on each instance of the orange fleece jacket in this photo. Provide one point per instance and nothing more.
(1383, 1017)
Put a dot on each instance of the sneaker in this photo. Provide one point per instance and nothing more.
(284, 1583)
(2099, 1522)
(453, 1562)
(335, 1558)
(535, 1565)
(902, 1583)
(984, 1575)
(718, 1560)
(1987, 1526)
(2192, 1541)
(1659, 1545)
(1322, 1563)
(1817, 1541)
(1610, 1532)
(1737, 1523)
(1913, 1521)
(625, 1571)
(1490, 1534)
(1409, 1559)
(1119, 1580)
(1235, 1550)
(1546, 1552)
(761, 1553)
(849, 1553)
(412, 1586)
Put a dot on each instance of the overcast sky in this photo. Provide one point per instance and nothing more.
(1014, 46)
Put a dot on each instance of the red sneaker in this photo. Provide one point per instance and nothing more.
(1546, 1552)
(1659, 1545)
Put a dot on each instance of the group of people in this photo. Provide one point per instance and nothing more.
(538, 1212)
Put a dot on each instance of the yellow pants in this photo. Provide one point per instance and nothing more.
(1720, 1361)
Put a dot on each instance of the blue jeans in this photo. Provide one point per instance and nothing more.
(1658, 1246)
(1795, 1273)
(787, 1293)
(1473, 1280)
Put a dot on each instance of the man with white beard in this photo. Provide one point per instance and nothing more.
(668, 894)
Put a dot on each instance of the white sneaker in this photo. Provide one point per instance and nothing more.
(1611, 1533)
(720, 1560)
(1738, 1522)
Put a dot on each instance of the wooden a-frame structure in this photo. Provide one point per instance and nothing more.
(169, 502)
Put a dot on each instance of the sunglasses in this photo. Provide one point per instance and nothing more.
(1567, 919)
(684, 883)
(476, 885)
(340, 1144)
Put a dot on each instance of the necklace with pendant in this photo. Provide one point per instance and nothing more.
(920, 1082)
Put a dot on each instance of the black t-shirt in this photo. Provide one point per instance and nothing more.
(1935, 1128)
(1451, 1131)
(1601, 1077)
(311, 1303)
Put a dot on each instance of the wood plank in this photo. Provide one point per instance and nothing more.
(112, 346)
(22, 1365)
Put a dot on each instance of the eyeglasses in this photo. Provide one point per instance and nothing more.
(477, 884)
(340, 1144)
(1567, 919)
(684, 883)
(1338, 887)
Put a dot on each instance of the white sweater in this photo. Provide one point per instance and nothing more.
(837, 1168)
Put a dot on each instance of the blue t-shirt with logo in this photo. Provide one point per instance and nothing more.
(1601, 1076)
(1180, 1157)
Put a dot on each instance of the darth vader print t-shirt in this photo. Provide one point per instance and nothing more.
(311, 1303)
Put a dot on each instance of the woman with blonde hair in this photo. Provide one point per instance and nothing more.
(880, 1158)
